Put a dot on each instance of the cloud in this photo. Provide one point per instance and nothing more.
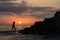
(13, 9)
(22, 7)
(6, 0)
(39, 12)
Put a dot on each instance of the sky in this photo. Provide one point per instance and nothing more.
(49, 3)
(26, 11)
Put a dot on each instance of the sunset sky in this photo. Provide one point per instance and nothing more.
(27, 15)
(48, 3)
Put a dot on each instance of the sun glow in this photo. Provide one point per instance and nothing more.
(19, 22)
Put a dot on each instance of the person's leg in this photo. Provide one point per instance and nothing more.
(14, 29)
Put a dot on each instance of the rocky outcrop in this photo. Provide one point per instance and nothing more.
(48, 26)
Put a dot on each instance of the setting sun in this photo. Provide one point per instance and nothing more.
(20, 22)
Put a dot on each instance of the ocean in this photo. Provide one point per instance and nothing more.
(19, 36)
(3, 28)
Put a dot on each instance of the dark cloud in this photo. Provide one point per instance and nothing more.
(8, 7)
(8, 4)
(21, 9)
(31, 11)
(44, 15)
(40, 12)
(44, 9)
(14, 9)
(7, 0)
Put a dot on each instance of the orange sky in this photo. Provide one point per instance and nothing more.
(29, 19)
(24, 21)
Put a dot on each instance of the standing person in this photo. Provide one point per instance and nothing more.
(13, 26)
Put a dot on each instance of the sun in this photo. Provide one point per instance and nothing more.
(19, 22)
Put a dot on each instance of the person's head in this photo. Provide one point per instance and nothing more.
(13, 21)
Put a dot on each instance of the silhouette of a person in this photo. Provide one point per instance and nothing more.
(13, 26)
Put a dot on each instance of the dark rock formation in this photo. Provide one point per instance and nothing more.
(48, 26)
(25, 31)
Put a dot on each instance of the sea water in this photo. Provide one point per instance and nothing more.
(28, 37)
(19, 36)
(3, 28)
